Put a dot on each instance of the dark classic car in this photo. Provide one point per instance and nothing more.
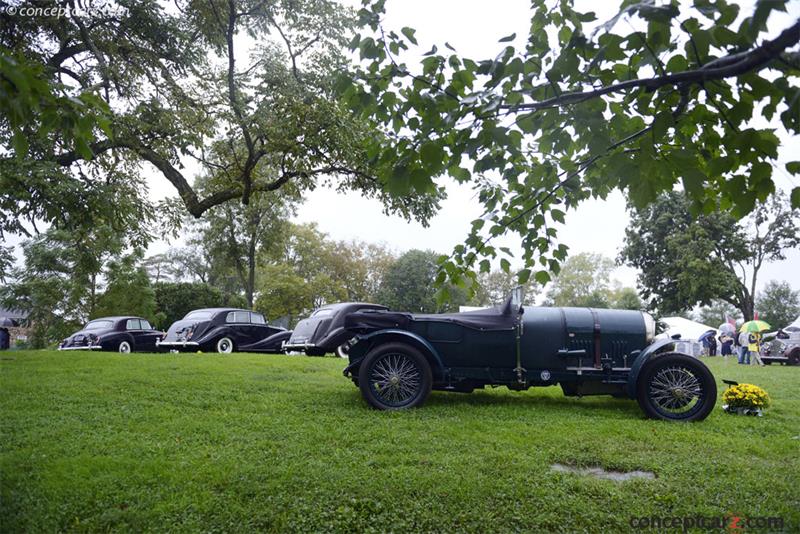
(223, 330)
(397, 358)
(313, 335)
(119, 334)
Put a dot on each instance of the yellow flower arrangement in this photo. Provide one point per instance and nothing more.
(746, 396)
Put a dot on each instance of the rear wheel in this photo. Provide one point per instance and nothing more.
(225, 345)
(342, 351)
(676, 387)
(793, 358)
(124, 347)
(395, 376)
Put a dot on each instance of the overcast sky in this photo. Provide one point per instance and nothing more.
(473, 28)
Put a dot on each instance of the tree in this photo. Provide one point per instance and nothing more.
(128, 290)
(59, 281)
(778, 304)
(178, 89)
(495, 286)
(234, 235)
(539, 129)
(685, 259)
(716, 313)
(408, 285)
(175, 300)
(584, 280)
(626, 298)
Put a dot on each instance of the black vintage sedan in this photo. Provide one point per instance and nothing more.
(223, 330)
(312, 335)
(397, 358)
(118, 334)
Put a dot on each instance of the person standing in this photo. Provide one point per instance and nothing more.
(744, 354)
(726, 341)
(754, 347)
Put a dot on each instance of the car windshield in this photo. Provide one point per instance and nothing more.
(98, 325)
(324, 312)
(199, 315)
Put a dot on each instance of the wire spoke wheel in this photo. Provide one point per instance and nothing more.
(677, 387)
(395, 379)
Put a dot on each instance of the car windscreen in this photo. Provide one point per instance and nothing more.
(198, 315)
(323, 312)
(98, 325)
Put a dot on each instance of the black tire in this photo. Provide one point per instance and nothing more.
(395, 376)
(125, 346)
(676, 387)
(225, 345)
(342, 351)
(793, 358)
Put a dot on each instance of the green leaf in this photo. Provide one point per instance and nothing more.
(693, 180)
(795, 198)
(505, 265)
(523, 276)
(662, 122)
(542, 277)
(432, 155)
(793, 167)
(409, 33)
(508, 38)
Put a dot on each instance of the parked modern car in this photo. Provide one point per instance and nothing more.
(397, 358)
(118, 334)
(312, 335)
(224, 330)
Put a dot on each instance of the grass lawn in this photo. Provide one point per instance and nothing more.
(188, 442)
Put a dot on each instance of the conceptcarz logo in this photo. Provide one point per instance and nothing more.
(729, 523)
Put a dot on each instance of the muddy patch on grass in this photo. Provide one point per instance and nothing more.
(599, 472)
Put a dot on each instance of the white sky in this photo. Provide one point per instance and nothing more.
(473, 27)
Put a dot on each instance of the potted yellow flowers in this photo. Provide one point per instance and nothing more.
(745, 399)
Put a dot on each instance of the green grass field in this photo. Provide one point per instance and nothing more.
(98, 442)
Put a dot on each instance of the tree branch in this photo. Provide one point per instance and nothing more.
(725, 67)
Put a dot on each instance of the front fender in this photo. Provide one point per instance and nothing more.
(365, 343)
(649, 352)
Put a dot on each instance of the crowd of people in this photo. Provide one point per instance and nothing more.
(746, 345)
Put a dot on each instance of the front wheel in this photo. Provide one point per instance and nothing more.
(793, 358)
(342, 351)
(676, 387)
(395, 376)
(225, 345)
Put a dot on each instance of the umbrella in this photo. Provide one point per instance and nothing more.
(755, 326)
(728, 328)
(710, 333)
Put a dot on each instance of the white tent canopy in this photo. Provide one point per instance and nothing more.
(796, 323)
(686, 328)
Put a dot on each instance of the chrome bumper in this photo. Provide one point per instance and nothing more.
(177, 343)
(87, 347)
(298, 346)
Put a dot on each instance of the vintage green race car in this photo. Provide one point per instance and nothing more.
(397, 358)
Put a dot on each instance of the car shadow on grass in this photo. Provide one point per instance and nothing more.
(551, 399)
